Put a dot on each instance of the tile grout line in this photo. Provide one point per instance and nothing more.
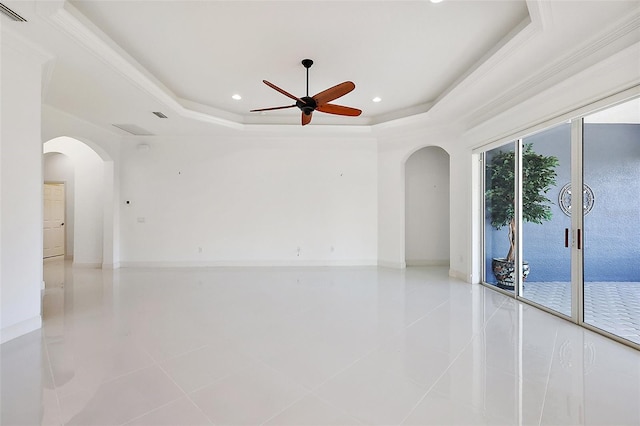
(285, 408)
(53, 380)
(546, 387)
(312, 391)
(151, 411)
(428, 313)
(224, 377)
(185, 394)
(154, 363)
(484, 325)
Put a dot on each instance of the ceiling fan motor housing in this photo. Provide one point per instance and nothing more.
(308, 106)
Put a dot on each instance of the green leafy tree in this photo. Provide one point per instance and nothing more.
(538, 177)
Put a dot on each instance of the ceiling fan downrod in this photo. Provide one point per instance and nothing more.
(309, 103)
(307, 64)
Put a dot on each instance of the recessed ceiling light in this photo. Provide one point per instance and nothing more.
(236, 97)
(436, 1)
(376, 99)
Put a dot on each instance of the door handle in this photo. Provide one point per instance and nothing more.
(566, 237)
(62, 224)
(579, 239)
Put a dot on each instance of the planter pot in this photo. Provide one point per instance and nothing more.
(504, 271)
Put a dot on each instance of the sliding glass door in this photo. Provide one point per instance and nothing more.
(546, 218)
(562, 219)
(611, 194)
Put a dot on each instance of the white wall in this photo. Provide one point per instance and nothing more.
(59, 168)
(604, 82)
(395, 145)
(88, 170)
(106, 144)
(20, 188)
(250, 201)
(427, 207)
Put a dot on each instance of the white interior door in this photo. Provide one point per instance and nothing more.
(53, 219)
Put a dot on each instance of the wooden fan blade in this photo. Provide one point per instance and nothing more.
(287, 94)
(339, 110)
(272, 108)
(306, 118)
(334, 92)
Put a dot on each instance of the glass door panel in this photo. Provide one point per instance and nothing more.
(499, 203)
(546, 218)
(611, 158)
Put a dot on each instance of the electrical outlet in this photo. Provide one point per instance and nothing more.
(199, 249)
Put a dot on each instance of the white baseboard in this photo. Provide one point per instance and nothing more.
(427, 262)
(21, 328)
(459, 275)
(87, 265)
(392, 264)
(246, 264)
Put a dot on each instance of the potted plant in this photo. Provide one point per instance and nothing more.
(538, 177)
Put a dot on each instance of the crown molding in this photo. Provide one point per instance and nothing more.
(71, 22)
(63, 16)
(625, 31)
(540, 15)
(16, 44)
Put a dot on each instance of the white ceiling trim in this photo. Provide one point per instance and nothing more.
(66, 18)
(525, 31)
(627, 27)
(540, 12)
(17, 44)
(539, 17)
(71, 22)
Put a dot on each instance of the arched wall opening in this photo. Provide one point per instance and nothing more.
(91, 242)
(427, 221)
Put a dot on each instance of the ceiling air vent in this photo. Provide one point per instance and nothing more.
(11, 14)
(133, 129)
(159, 114)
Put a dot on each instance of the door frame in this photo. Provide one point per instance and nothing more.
(576, 119)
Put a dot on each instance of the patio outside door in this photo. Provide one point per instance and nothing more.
(546, 246)
(611, 160)
(582, 260)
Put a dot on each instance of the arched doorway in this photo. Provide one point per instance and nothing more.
(427, 207)
(90, 238)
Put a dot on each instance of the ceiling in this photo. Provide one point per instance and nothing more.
(117, 61)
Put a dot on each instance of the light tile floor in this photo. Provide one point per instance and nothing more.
(324, 346)
(611, 306)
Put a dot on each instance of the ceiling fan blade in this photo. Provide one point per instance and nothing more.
(339, 110)
(272, 108)
(287, 94)
(334, 92)
(306, 118)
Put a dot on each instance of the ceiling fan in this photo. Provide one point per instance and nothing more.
(319, 102)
